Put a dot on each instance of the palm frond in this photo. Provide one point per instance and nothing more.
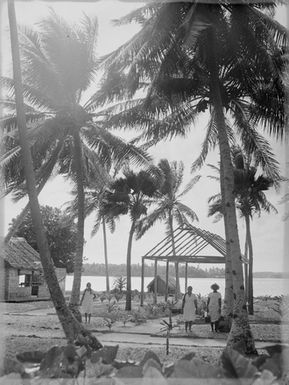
(216, 208)
(146, 223)
(9, 122)
(139, 15)
(110, 146)
(186, 212)
(214, 168)
(189, 186)
(10, 156)
(96, 225)
(209, 142)
(59, 60)
(42, 174)
(178, 172)
(256, 145)
(32, 95)
(216, 197)
(277, 30)
(284, 199)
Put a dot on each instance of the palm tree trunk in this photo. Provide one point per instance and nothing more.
(105, 255)
(70, 326)
(250, 275)
(240, 336)
(229, 298)
(128, 267)
(174, 254)
(246, 268)
(24, 212)
(77, 157)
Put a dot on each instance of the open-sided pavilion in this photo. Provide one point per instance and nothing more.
(190, 245)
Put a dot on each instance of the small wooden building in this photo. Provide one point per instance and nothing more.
(23, 273)
(161, 285)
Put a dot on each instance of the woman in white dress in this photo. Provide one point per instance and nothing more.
(189, 308)
(87, 302)
(214, 306)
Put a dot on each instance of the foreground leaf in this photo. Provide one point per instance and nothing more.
(107, 354)
(130, 372)
(274, 365)
(150, 355)
(195, 368)
(237, 366)
(50, 365)
(168, 370)
(260, 360)
(188, 356)
(61, 362)
(274, 349)
(97, 369)
(266, 378)
(152, 376)
(152, 363)
(278, 363)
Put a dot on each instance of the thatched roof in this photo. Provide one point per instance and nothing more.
(20, 255)
(171, 281)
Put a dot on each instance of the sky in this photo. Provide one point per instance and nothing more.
(267, 231)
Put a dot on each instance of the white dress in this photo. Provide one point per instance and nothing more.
(189, 307)
(87, 301)
(214, 306)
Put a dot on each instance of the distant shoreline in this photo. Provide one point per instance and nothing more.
(255, 275)
(118, 270)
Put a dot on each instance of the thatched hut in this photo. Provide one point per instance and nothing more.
(22, 277)
(161, 285)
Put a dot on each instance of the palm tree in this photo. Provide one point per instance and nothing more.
(70, 326)
(129, 195)
(102, 220)
(250, 199)
(93, 204)
(59, 66)
(192, 56)
(169, 207)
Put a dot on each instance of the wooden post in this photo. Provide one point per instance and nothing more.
(156, 282)
(186, 277)
(167, 281)
(142, 282)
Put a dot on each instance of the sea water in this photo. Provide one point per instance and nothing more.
(262, 286)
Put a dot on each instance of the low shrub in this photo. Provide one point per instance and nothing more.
(137, 316)
(158, 310)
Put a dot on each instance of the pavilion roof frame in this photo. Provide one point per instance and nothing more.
(189, 241)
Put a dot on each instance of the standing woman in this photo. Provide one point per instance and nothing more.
(189, 308)
(87, 302)
(214, 306)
